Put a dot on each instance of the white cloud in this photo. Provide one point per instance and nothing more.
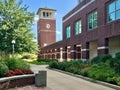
(58, 32)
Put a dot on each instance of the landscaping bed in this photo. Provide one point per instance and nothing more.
(104, 68)
(13, 67)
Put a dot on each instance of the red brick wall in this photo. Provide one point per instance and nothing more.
(104, 30)
(46, 35)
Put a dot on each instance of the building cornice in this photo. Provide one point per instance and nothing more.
(78, 10)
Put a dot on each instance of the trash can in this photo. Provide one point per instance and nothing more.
(41, 78)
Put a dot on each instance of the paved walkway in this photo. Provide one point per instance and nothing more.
(60, 81)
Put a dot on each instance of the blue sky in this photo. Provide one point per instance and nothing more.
(62, 7)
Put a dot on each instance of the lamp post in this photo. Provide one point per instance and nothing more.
(13, 49)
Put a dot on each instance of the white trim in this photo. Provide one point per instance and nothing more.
(103, 47)
(78, 10)
(73, 51)
(47, 31)
(64, 51)
(84, 49)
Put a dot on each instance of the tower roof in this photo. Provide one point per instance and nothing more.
(45, 9)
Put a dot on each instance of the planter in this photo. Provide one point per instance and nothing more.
(17, 81)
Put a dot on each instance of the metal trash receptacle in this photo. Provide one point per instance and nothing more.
(41, 78)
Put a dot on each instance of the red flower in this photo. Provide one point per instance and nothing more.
(18, 72)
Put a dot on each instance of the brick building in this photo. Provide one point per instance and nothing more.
(92, 28)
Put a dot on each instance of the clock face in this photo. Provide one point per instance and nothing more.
(48, 26)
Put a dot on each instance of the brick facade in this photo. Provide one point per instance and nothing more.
(101, 34)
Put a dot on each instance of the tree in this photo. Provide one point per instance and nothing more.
(15, 24)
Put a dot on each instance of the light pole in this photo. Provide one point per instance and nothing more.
(13, 49)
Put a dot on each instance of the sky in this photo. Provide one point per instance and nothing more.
(62, 7)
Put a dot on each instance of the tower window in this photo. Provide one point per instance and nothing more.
(47, 14)
(43, 14)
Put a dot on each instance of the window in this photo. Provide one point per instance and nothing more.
(43, 14)
(78, 27)
(92, 20)
(68, 32)
(114, 11)
(80, 1)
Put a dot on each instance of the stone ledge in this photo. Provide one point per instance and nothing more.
(89, 79)
(16, 77)
(18, 81)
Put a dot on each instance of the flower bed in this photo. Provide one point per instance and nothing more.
(18, 72)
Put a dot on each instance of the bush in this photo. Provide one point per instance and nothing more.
(3, 69)
(38, 63)
(29, 56)
(71, 66)
(115, 63)
(62, 65)
(117, 55)
(103, 58)
(53, 65)
(95, 60)
(101, 71)
(16, 63)
(84, 71)
(47, 60)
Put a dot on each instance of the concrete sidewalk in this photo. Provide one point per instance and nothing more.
(60, 81)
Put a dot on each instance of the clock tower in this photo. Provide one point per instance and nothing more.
(46, 26)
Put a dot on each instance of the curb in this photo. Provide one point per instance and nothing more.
(89, 79)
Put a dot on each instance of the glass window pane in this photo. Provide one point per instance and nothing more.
(118, 14)
(90, 26)
(117, 4)
(111, 17)
(111, 7)
(78, 27)
(95, 16)
(95, 24)
(90, 18)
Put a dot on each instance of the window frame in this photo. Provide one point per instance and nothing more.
(79, 27)
(92, 20)
(66, 31)
(114, 12)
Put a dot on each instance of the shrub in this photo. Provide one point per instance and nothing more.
(95, 60)
(53, 65)
(38, 63)
(71, 66)
(62, 65)
(3, 69)
(105, 57)
(29, 56)
(26, 57)
(16, 63)
(47, 60)
(115, 63)
(84, 71)
(117, 55)
(102, 58)
(101, 71)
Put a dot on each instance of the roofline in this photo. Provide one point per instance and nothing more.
(45, 9)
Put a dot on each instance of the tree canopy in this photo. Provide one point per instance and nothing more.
(15, 24)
